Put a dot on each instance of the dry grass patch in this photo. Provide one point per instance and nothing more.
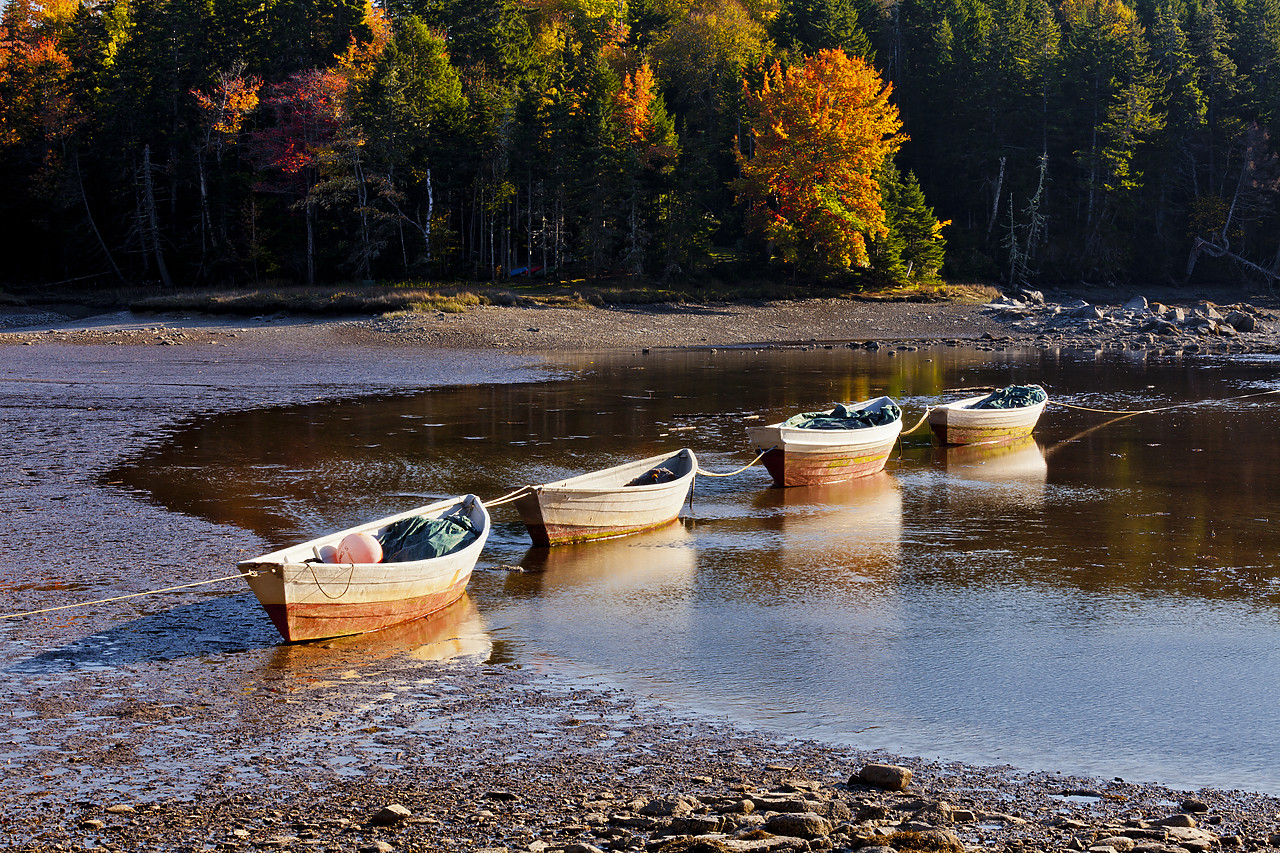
(297, 300)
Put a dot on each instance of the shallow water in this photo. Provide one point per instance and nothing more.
(1102, 599)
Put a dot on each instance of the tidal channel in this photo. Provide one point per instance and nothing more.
(1101, 599)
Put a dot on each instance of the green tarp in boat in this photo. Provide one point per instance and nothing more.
(846, 417)
(1013, 397)
(421, 538)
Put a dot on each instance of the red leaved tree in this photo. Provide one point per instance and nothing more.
(308, 114)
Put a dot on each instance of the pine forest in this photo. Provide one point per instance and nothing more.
(233, 143)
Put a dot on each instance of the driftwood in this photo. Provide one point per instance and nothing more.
(1216, 251)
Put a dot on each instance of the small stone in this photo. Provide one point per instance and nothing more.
(1184, 820)
(1194, 806)
(92, 823)
(120, 808)
(1119, 843)
(377, 846)
(888, 776)
(738, 807)
(582, 848)
(391, 815)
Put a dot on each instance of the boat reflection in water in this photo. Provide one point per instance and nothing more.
(645, 563)
(1008, 472)
(855, 525)
(456, 633)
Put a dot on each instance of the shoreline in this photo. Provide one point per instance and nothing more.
(1183, 325)
(481, 755)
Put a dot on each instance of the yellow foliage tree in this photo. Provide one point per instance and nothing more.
(822, 130)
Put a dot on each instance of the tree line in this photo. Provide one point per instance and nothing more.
(210, 143)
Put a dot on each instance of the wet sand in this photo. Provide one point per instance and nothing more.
(177, 723)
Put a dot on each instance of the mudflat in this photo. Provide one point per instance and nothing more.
(148, 724)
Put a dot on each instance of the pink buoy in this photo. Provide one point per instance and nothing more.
(359, 548)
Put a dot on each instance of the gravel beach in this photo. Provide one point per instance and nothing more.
(315, 747)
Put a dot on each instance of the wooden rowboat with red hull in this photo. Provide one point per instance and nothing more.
(797, 454)
(973, 421)
(608, 503)
(308, 599)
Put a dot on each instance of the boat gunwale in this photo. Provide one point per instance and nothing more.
(276, 559)
(798, 439)
(966, 405)
(571, 485)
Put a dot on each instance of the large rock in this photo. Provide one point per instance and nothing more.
(1137, 303)
(888, 776)
(665, 807)
(1241, 321)
(697, 824)
(798, 825)
(391, 815)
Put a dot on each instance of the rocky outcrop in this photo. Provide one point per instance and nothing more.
(1137, 324)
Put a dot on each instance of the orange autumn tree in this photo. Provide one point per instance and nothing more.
(822, 131)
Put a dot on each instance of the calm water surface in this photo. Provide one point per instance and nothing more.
(1102, 599)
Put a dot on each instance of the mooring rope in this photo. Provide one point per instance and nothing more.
(919, 423)
(1159, 408)
(705, 473)
(251, 574)
(506, 499)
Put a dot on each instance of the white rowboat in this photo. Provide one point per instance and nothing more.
(961, 423)
(600, 505)
(796, 456)
(310, 600)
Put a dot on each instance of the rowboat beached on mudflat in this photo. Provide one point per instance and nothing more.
(810, 449)
(1004, 415)
(430, 553)
(612, 502)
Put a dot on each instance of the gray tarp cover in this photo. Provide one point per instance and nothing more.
(846, 417)
(1013, 397)
(421, 538)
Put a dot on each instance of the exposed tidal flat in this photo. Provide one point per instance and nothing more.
(176, 721)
